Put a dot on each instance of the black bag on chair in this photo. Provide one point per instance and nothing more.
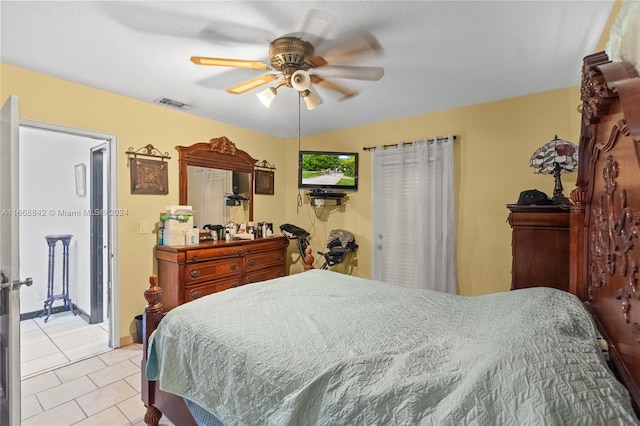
(533, 197)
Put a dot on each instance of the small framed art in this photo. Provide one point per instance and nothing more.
(264, 182)
(81, 179)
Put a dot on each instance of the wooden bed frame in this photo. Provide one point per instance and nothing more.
(605, 218)
(605, 230)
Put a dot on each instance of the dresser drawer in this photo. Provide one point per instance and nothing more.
(196, 292)
(265, 274)
(191, 272)
(255, 261)
(235, 248)
(212, 270)
(199, 255)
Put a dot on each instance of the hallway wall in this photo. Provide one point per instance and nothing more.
(50, 205)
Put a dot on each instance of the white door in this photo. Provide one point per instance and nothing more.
(9, 266)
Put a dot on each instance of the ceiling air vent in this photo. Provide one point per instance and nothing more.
(172, 103)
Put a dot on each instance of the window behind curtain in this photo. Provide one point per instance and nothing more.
(414, 215)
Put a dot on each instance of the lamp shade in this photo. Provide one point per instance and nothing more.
(300, 80)
(311, 99)
(267, 96)
(558, 152)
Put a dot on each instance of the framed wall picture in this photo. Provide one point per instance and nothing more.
(81, 179)
(264, 181)
(149, 176)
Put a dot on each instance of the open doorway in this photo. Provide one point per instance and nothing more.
(66, 245)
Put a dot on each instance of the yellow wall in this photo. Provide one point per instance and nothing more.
(495, 141)
(136, 124)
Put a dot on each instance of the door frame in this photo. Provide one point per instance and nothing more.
(111, 238)
(10, 398)
(97, 226)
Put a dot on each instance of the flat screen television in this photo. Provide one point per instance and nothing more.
(328, 171)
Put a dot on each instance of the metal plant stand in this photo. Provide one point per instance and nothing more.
(52, 240)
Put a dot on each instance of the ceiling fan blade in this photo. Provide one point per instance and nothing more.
(315, 26)
(251, 84)
(228, 33)
(358, 46)
(319, 61)
(235, 63)
(354, 73)
(170, 19)
(347, 93)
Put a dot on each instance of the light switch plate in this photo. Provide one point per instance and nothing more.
(144, 227)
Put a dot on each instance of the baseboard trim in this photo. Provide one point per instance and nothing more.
(126, 341)
(54, 310)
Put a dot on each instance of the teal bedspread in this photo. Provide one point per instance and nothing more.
(330, 349)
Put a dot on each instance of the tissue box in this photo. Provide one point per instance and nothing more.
(175, 224)
(176, 221)
(173, 237)
(179, 209)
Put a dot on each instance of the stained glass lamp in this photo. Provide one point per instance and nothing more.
(554, 158)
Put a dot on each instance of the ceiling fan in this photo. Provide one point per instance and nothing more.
(293, 62)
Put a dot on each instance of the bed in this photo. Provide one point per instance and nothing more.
(325, 348)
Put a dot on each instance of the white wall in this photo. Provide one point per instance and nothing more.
(48, 189)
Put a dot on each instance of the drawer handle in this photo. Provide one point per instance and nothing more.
(233, 266)
(251, 280)
(251, 262)
(195, 273)
(196, 294)
(280, 274)
(279, 258)
(235, 284)
(194, 257)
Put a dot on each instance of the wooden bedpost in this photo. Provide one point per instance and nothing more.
(577, 254)
(150, 319)
(308, 259)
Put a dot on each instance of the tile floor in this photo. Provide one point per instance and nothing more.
(70, 376)
(103, 390)
(64, 338)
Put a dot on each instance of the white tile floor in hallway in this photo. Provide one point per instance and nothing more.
(103, 390)
(64, 338)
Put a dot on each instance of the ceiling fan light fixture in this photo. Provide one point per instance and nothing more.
(300, 80)
(267, 96)
(310, 99)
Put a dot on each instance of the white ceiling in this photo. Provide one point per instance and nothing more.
(436, 55)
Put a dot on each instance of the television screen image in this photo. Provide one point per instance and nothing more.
(323, 170)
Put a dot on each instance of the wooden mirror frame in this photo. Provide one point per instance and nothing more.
(218, 153)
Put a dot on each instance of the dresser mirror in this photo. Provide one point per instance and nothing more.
(216, 179)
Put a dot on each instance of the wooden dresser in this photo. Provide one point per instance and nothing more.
(539, 246)
(186, 273)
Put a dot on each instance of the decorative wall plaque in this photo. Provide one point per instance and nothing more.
(264, 178)
(148, 176)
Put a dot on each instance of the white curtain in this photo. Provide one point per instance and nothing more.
(413, 215)
(624, 37)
